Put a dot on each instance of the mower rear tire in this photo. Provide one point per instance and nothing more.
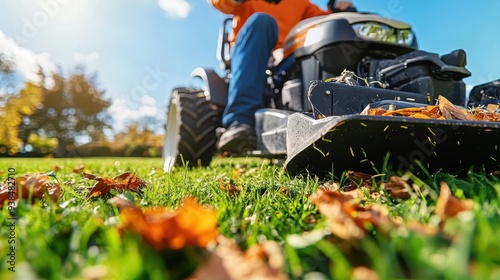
(190, 131)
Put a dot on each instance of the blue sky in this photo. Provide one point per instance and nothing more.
(141, 49)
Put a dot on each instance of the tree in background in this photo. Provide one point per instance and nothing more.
(73, 110)
(140, 139)
(14, 108)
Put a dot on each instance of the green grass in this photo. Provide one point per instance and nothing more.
(79, 235)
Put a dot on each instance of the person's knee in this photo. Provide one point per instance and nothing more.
(263, 20)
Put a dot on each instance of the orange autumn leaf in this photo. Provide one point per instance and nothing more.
(449, 206)
(261, 261)
(37, 184)
(443, 110)
(78, 169)
(125, 181)
(397, 187)
(423, 229)
(232, 189)
(349, 220)
(364, 273)
(450, 111)
(191, 224)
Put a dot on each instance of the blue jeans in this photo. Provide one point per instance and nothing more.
(249, 57)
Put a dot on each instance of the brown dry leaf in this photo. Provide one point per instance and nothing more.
(331, 186)
(444, 110)
(124, 181)
(348, 220)
(191, 224)
(232, 189)
(285, 191)
(261, 261)
(378, 111)
(397, 187)
(357, 179)
(310, 219)
(244, 171)
(121, 202)
(373, 214)
(423, 229)
(448, 206)
(56, 168)
(492, 108)
(363, 273)
(331, 204)
(449, 110)
(78, 169)
(420, 116)
(38, 184)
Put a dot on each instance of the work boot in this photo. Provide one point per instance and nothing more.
(237, 139)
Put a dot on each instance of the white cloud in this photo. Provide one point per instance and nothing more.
(26, 61)
(123, 114)
(175, 8)
(86, 59)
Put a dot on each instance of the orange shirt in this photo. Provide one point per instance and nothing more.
(287, 13)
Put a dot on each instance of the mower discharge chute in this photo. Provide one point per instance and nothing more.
(316, 122)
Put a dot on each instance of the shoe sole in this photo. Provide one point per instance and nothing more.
(239, 142)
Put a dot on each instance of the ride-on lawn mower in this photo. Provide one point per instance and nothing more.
(336, 71)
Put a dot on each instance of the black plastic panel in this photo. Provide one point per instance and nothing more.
(334, 99)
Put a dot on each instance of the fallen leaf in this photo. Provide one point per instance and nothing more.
(448, 206)
(285, 191)
(363, 273)
(331, 186)
(232, 189)
(121, 201)
(423, 229)
(356, 180)
(347, 219)
(261, 261)
(78, 169)
(191, 224)
(37, 184)
(397, 187)
(125, 181)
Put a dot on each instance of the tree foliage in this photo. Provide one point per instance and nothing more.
(72, 109)
(14, 107)
(138, 140)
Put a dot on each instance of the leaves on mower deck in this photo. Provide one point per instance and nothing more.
(125, 181)
(37, 184)
(190, 224)
(443, 110)
(449, 206)
(261, 261)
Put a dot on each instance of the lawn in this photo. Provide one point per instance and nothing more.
(243, 219)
